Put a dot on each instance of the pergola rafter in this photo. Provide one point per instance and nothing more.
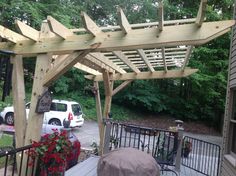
(27, 31)
(161, 15)
(124, 23)
(127, 52)
(58, 28)
(86, 69)
(201, 12)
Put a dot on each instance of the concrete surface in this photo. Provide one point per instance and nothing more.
(87, 134)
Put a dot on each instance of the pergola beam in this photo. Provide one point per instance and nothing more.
(188, 34)
(27, 31)
(201, 13)
(145, 59)
(123, 57)
(124, 23)
(147, 75)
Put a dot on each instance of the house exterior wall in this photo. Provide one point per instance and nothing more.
(228, 163)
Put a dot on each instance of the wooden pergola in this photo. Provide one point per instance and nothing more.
(126, 52)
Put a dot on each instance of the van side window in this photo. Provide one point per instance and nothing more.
(76, 109)
(61, 107)
(53, 107)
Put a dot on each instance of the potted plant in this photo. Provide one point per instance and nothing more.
(52, 152)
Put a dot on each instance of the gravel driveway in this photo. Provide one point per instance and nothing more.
(87, 134)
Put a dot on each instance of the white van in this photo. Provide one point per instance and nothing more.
(60, 110)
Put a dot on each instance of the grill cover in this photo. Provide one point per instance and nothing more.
(127, 162)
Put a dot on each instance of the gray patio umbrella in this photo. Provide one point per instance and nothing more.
(127, 162)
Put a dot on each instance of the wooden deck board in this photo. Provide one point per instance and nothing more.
(85, 168)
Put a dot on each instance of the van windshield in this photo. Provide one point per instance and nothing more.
(76, 109)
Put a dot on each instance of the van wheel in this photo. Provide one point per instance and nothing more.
(55, 122)
(9, 119)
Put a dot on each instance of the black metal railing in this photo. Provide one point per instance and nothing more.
(201, 156)
(9, 158)
(161, 144)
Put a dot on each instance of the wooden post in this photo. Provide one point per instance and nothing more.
(18, 90)
(99, 114)
(35, 120)
(108, 86)
(107, 137)
(178, 155)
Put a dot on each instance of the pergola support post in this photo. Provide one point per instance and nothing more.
(35, 120)
(179, 150)
(18, 87)
(99, 113)
(108, 86)
(18, 91)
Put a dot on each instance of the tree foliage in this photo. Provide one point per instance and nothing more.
(198, 97)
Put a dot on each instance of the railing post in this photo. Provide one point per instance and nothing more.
(179, 150)
(107, 124)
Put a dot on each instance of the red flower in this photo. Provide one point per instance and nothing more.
(52, 151)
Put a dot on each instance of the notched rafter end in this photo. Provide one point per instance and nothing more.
(27, 31)
(201, 13)
(90, 25)
(58, 28)
(123, 21)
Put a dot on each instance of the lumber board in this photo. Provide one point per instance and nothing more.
(123, 57)
(123, 21)
(58, 28)
(62, 67)
(147, 75)
(27, 31)
(187, 34)
(145, 59)
(201, 12)
(11, 35)
(86, 69)
(90, 25)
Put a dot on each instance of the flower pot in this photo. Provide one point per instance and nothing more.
(49, 171)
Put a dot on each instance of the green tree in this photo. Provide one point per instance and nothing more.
(198, 97)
